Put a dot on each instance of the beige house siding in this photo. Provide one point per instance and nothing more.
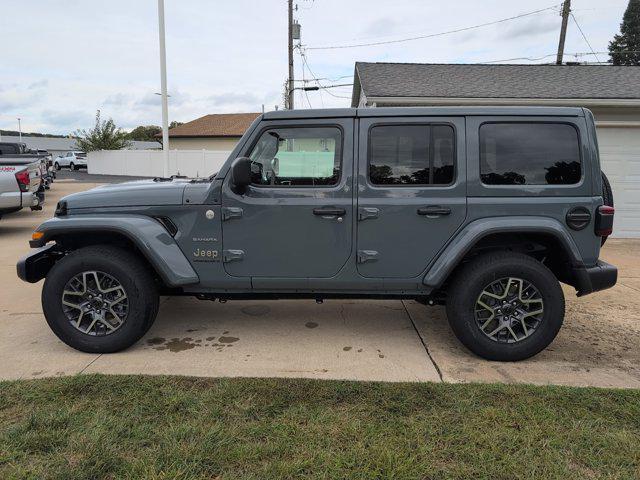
(203, 143)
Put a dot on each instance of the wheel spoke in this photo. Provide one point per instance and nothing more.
(72, 305)
(86, 298)
(524, 326)
(498, 328)
(93, 322)
(513, 304)
(513, 334)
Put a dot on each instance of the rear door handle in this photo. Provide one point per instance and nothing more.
(434, 211)
(329, 211)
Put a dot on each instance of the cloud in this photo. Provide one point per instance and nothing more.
(232, 98)
(13, 99)
(117, 99)
(530, 27)
(381, 27)
(39, 84)
(68, 120)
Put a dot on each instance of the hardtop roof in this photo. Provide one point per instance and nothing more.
(424, 112)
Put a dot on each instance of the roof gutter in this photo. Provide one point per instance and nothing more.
(565, 102)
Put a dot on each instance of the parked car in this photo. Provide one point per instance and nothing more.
(71, 160)
(21, 184)
(15, 149)
(485, 210)
(49, 173)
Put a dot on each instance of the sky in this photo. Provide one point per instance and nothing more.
(64, 59)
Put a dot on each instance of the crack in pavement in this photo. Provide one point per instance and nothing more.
(89, 364)
(424, 344)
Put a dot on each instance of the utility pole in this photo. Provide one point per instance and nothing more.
(163, 86)
(566, 10)
(290, 33)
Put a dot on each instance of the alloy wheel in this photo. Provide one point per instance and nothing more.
(509, 310)
(95, 303)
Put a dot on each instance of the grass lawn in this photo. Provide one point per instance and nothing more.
(93, 426)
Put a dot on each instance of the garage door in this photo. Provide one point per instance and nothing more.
(620, 159)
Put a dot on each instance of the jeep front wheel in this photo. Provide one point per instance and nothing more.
(505, 306)
(99, 299)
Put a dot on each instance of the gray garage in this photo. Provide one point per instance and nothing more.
(611, 92)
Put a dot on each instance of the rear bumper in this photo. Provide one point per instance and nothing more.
(593, 279)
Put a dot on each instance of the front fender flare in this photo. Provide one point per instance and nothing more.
(151, 238)
(466, 238)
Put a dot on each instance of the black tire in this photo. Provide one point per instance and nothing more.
(131, 273)
(470, 281)
(56, 166)
(607, 196)
(72, 166)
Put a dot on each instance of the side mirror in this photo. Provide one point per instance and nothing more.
(240, 175)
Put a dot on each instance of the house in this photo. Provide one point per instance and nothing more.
(612, 93)
(211, 132)
(61, 145)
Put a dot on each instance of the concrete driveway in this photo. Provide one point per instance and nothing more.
(599, 344)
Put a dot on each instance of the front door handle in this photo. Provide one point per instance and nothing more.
(329, 211)
(434, 211)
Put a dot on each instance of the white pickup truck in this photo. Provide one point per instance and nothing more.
(21, 183)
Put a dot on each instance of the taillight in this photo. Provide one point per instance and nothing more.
(604, 220)
(23, 180)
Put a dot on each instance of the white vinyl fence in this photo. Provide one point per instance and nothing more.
(148, 163)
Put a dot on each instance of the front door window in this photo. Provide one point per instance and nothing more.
(297, 157)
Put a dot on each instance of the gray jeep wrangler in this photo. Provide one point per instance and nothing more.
(485, 210)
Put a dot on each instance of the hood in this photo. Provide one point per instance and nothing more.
(130, 194)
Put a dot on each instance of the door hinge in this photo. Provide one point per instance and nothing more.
(367, 212)
(367, 256)
(231, 212)
(232, 255)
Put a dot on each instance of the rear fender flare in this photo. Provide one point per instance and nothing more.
(469, 236)
(150, 237)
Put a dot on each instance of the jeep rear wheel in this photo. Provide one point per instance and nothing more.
(99, 299)
(505, 306)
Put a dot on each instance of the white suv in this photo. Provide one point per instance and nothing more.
(73, 160)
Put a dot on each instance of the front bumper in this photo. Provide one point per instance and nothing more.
(593, 279)
(35, 266)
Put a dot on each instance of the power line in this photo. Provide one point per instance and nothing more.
(419, 37)
(326, 78)
(584, 36)
(306, 94)
(317, 80)
(576, 54)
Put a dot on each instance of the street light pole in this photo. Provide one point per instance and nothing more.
(290, 32)
(20, 129)
(163, 90)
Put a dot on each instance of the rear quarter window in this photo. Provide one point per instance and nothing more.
(529, 154)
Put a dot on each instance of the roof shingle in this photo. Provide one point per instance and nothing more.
(497, 81)
(215, 125)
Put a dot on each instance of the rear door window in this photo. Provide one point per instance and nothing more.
(529, 154)
(411, 155)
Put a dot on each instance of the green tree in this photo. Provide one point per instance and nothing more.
(103, 136)
(624, 49)
(144, 133)
(175, 124)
